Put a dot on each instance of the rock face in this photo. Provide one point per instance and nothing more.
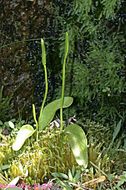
(23, 23)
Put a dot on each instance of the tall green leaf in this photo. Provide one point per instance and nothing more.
(78, 142)
(49, 111)
(115, 133)
(23, 134)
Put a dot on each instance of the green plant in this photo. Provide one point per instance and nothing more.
(69, 180)
(95, 74)
(42, 157)
(122, 180)
(76, 137)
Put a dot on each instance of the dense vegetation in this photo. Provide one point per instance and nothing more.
(95, 78)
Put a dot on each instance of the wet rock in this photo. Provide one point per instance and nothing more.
(21, 23)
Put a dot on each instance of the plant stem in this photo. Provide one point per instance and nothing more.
(63, 79)
(46, 88)
(35, 119)
(45, 73)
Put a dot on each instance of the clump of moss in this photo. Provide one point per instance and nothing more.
(40, 158)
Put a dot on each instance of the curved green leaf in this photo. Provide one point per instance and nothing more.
(24, 133)
(49, 111)
(78, 142)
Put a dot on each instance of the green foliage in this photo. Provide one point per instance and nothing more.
(76, 136)
(95, 76)
(78, 142)
(63, 78)
(52, 154)
(106, 146)
(41, 158)
(122, 180)
(110, 7)
(24, 133)
(46, 79)
(67, 181)
(49, 111)
(73, 175)
(115, 133)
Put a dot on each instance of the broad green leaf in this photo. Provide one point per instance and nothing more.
(24, 133)
(49, 111)
(78, 142)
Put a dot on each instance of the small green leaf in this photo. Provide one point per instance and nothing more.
(78, 142)
(117, 130)
(11, 124)
(24, 133)
(49, 111)
(1, 123)
(59, 175)
(4, 167)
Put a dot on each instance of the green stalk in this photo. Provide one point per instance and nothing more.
(35, 119)
(45, 71)
(63, 78)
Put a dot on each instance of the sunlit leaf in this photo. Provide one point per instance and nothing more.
(24, 133)
(11, 124)
(49, 111)
(78, 142)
